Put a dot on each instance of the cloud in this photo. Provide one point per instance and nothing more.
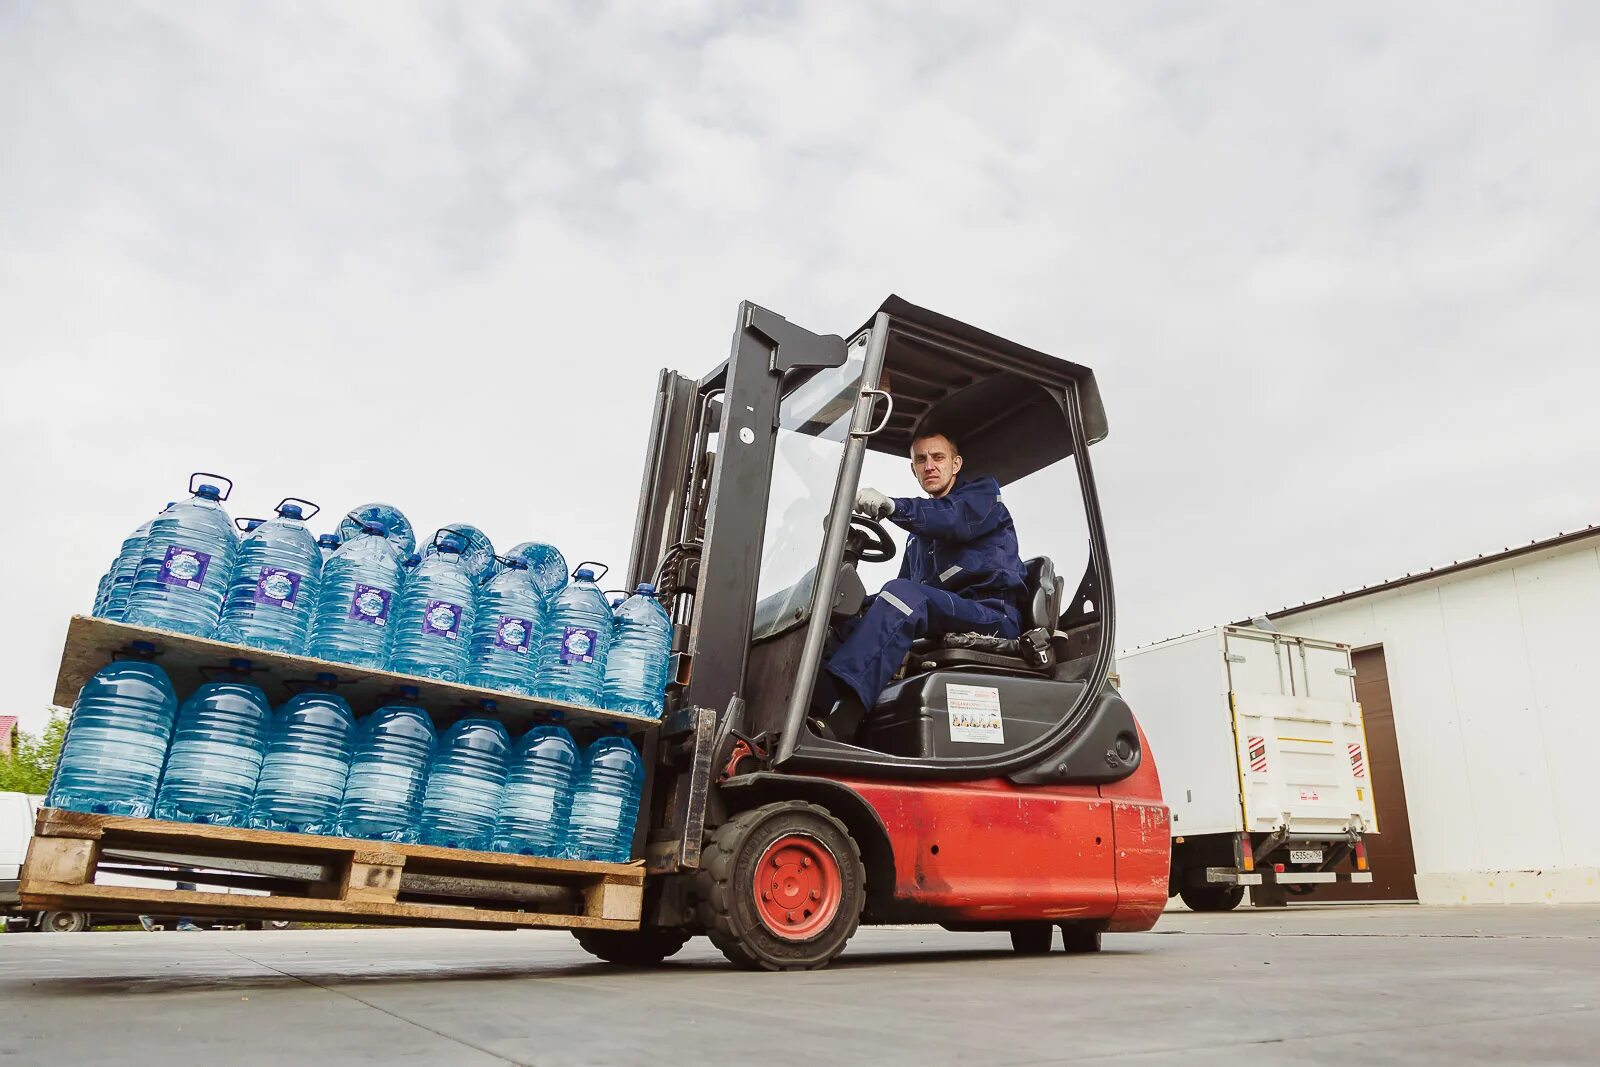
(1334, 267)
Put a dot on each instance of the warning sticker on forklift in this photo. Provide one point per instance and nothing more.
(975, 714)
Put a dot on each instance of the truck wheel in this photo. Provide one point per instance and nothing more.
(1080, 937)
(64, 922)
(1212, 897)
(632, 948)
(781, 887)
(1032, 939)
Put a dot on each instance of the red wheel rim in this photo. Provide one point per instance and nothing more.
(797, 887)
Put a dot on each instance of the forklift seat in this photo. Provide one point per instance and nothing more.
(1034, 652)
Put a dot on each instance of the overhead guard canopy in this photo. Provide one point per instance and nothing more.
(992, 395)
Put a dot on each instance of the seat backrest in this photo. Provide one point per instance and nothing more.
(1041, 605)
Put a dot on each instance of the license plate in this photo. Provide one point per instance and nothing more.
(1305, 855)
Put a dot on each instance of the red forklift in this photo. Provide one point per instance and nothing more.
(996, 785)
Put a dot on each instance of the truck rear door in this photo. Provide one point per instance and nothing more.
(1301, 748)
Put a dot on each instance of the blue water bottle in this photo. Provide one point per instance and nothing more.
(605, 803)
(188, 560)
(538, 800)
(546, 566)
(391, 518)
(466, 784)
(636, 667)
(505, 638)
(217, 748)
(477, 551)
(355, 606)
(389, 772)
(308, 760)
(276, 577)
(116, 743)
(126, 569)
(328, 544)
(577, 636)
(431, 633)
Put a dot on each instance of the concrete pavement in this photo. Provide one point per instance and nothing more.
(1326, 985)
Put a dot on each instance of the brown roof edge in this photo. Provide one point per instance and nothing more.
(1436, 572)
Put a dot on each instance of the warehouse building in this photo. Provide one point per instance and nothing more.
(1482, 710)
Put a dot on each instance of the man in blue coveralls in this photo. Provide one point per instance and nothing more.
(961, 573)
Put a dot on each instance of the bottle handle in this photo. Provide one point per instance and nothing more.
(242, 522)
(218, 477)
(604, 569)
(315, 508)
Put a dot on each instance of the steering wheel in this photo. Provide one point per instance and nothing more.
(868, 541)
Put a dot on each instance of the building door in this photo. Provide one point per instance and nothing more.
(1394, 867)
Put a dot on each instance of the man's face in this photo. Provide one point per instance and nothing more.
(935, 463)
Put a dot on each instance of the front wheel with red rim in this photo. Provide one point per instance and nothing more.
(781, 887)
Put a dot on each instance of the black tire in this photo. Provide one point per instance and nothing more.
(1080, 937)
(632, 948)
(727, 904)
(64, 922)
(1212, 897)
(1032, 939)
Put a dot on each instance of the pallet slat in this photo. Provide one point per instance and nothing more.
(349, 880)
(92, 643)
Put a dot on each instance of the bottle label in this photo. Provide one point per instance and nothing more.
(370, 604)
(443, 619)
(577, 645)
(513, 634)
(184, 566)
(277, 587)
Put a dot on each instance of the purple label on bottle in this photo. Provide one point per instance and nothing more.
(443, 619)
(277, 587)
(513, 634)
(577, 645)
(184, 566)
(370, 604)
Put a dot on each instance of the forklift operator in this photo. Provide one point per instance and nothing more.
(961, 573)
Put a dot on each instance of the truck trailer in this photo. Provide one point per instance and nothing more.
(1264, 762)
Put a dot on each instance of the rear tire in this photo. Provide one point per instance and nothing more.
(64, 922)
(632, 948)
(810, 893)
(1212, 897)
(1032, 939)
(1080, 937)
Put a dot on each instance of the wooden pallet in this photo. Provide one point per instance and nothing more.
(316, 879)
(92, 643)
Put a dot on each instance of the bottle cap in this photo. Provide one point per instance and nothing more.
(374, 527)
(207, 491)
(145, 647)
(325, 678)
(289, 511)
(489, 704)
(329, 541)
(584, 574)
(410, 692)
(646, 588)
(239, 664)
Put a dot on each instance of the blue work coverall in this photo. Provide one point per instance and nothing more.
(961, 573)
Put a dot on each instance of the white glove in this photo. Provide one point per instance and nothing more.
(873, 504)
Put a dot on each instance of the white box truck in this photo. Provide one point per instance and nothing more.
(1263, 761)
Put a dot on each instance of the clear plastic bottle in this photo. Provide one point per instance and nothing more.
(505, 638)
(360, 591)
(391, 518)
(466, 784)
(431, 632)
(188, 560)
(102, 592)
(389, 772)
(546, 566)
(126, 569)
(217, 748)
(605, 802)
(328, 544)
(636, 667)
(477, 551)
(273, 595)
(116, 743)
(577, 636)
(307, 762)
(538, 800)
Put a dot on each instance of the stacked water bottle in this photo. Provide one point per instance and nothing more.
(226, 758)
(365, 597)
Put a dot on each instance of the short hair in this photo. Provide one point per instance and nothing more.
(925, 432)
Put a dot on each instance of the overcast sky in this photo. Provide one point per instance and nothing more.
(1336, 267)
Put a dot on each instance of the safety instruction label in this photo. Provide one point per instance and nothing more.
(975, 714)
